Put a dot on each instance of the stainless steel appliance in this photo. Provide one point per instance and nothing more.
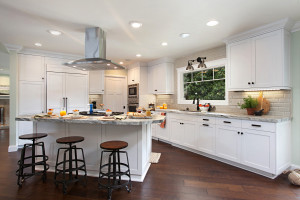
(133, 91)
(133, 97)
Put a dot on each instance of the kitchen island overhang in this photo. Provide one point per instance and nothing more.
(137, 132)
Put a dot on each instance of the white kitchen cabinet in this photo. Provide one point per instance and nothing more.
(206, 138)
(161, 78)
(67, 90)
(134, 75)
(31, 68)
(177, 131)
(228, 143)
(240, 64)
(258, 149)
(260, 61)
(96, 82)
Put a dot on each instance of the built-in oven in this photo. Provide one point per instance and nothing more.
(132, 107)
(133, 91)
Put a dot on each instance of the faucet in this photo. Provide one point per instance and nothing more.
(197, 103)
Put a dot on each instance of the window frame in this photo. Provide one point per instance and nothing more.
(211, 64)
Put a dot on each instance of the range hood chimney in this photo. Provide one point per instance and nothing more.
(95, 53)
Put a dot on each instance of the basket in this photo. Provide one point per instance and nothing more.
(294, 176)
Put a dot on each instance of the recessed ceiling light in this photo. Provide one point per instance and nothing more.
(164, 44)
(184, 35)
(38, 44)
(135, 24)
(108, 64)
(212, 23)
(115, 67)
(138, 55)
(121, 63)
(54, 32)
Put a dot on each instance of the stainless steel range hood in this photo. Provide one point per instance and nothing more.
(95, 53)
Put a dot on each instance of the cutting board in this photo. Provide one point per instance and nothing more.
(263, 104)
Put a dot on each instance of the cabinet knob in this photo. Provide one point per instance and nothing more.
(249, 83)
(43, 78)
(252, 82)
(155, 90)
(132, 80)
(242, 133)
(238, 132)
(102, 90)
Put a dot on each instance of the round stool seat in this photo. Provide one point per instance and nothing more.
(113, 145)
(33, 136)
(69, 140)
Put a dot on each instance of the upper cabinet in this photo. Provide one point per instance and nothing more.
(31, 68)
(96, 82)
(161, 77)
(134, 75)
(259, 59)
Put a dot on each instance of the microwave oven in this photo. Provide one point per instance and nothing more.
(133, 91)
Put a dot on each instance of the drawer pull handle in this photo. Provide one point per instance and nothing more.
(255, 125)
(205, 124)
(227, 122)
(205, 119)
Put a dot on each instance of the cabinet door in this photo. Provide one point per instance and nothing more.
(55, 91)
(31, 97)
(188, 135)
(228, 143)
(206, 137)
(96, 82)
(134, 75)
(31, 68)
(76, 92)
(130, 77)
(159, 83)
(258, 150)
(176, 131)
(269, 60)
(240, 64)
(162, 133)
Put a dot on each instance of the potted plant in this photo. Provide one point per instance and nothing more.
(250, 104)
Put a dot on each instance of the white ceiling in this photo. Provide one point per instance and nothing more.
(24, 22)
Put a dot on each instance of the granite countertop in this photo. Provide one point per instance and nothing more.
(95, 120)
(263, 118)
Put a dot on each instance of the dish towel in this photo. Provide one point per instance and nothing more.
(163, 124)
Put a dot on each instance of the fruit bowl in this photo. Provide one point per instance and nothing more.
(108, 112)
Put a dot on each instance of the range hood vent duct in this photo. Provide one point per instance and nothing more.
(95, 53)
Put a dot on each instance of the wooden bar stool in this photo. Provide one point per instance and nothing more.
(79, 163)
(22, 162)
(114, 175)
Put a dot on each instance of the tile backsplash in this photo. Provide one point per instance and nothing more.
(280, 102)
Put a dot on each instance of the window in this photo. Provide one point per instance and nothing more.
(209, 85)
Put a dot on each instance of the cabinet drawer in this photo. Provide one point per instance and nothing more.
(182, 117)
(229, 122)
(262, 126)
(207, 120)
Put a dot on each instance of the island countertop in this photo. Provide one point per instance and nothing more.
(95, 120)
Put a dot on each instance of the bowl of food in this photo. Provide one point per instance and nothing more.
(108, 112)
(76, 112)
(204, 108)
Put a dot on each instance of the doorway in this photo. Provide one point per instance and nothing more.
(115, 97)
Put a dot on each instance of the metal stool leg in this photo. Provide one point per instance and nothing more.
(64, 173)
(21, 165)
(128, 189)
(76, 162)
(85, 174)
(33, 156)
(119, 165)
(44, 162)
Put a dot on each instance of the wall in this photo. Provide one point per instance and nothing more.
(295, 68)
(280, 100)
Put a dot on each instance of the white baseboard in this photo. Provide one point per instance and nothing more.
(12, 148)
(292, 167)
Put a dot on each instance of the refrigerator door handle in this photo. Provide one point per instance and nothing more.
(67, 104)
(64, 104)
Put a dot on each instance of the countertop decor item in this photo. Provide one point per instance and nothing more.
(250, 104)
(263, 103)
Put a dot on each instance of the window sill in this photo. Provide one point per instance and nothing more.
(212, 102)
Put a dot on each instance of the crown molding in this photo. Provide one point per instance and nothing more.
(296, 27)
(286, 24)
(13, 47)
(49, 53)
(161, 60)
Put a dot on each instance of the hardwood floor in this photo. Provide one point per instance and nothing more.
(180, 175)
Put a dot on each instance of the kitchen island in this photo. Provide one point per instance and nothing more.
(95, 130)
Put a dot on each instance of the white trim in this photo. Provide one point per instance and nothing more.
(12, 148)
(210, 64)
(50, 54)
(292, 167)
(161, 60)
(13, 47)
(296, 27)
(286, 24)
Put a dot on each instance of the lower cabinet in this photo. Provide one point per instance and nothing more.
(206, 138)
(183, 133)
(228, 143)
(263, 146)
(258, 149)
